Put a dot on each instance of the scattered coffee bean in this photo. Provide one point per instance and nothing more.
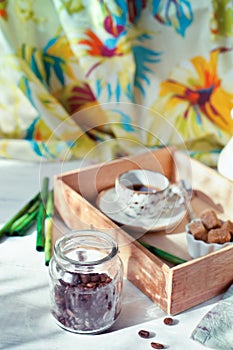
(168, 321)
(157, 345)
(144, 334)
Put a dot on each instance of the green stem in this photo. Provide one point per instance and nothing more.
(7, 227)
(19, 224)
(48, 228)
(22, 227)
(163, 254)
(40, 239)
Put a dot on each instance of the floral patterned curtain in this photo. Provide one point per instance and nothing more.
(126, 74)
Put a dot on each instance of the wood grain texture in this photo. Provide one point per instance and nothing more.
(201, 279)
(214, 185)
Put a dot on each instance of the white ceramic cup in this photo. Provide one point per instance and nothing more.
(142, 192)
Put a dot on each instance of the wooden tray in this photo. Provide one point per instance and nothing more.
(173, 288)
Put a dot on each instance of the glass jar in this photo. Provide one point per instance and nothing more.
(86, 279)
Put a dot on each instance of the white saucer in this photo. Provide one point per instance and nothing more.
(108, 203)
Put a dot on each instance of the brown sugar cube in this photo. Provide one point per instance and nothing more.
(210, 219)
(198, 230)
(219, 235)
(228, 225)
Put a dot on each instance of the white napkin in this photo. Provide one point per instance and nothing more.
(215, 330)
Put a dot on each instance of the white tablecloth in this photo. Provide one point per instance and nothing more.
(25, 319)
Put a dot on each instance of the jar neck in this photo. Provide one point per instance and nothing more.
(84, 250)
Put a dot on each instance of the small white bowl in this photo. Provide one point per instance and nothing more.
(197, 248)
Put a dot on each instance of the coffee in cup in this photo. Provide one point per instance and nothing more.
(142, 192)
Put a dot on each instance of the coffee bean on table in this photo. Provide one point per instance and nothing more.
(144, 334)
(168, 321)
(157, 345)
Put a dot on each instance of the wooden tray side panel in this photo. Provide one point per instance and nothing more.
(76, 212)
(214, 185)
(150, 275)
(201, 279)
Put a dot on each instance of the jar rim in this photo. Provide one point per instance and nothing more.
(73, 236)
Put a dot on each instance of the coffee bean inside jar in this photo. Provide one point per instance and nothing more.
(86, 277)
